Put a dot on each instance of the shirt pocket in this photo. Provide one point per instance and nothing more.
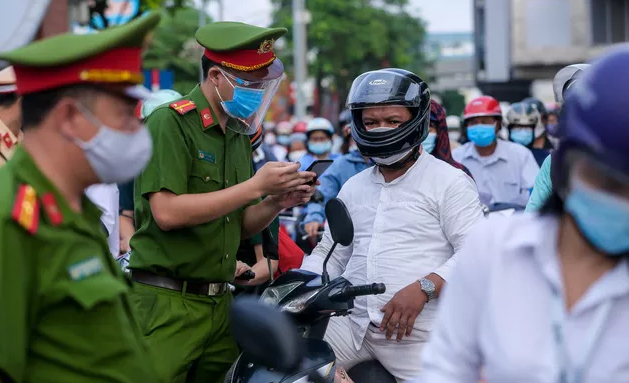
(510, 191)
(204, 177)
(92, 291)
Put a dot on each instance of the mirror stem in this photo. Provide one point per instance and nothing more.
(325, 278)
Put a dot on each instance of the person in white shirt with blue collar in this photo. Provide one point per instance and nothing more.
(504, 171)
(545, 297)
(411, 214)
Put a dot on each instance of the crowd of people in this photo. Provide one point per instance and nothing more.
(187, 193)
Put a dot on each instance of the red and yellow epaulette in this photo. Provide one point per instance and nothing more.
(183, 106)
(26, 208)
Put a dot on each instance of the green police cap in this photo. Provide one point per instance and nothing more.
(240, 46)
(112, 56)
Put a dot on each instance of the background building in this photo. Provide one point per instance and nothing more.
(519, 42)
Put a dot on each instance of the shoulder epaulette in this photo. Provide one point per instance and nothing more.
(26, 208)
(183, 106)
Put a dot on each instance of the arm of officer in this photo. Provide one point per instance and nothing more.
(16, 281)
(165, 180)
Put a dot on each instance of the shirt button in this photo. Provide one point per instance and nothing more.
(226, 255)
(207, 179)
(227, 219)
(226, 182)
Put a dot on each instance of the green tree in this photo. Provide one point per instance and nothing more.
(174, 47)
(354, 36)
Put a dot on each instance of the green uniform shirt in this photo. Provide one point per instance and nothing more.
(65, 314)
(190, 158)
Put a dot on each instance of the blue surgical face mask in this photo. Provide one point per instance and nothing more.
(601, 217)
(283, 140)
(429, 142)
(244, 103)
(320, 147)
(482, 134)
(522, 136)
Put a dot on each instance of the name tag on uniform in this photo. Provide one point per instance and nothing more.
(207, 157)
(86, 268)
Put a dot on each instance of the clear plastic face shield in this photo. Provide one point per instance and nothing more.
(249, 103)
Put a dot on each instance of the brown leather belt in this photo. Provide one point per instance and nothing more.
(199, 288)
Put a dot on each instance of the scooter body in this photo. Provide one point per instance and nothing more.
(310, 305)
(319, 357)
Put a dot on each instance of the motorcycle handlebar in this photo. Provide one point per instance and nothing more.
(350, 292)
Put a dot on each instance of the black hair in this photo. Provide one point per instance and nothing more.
(206, 65)
(8, 99)
(553, 205)
(36, 106)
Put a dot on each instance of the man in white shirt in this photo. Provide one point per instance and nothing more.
(106, 197)
(411, 214)
(504, 171)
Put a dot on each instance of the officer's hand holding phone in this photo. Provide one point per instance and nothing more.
(280, 178)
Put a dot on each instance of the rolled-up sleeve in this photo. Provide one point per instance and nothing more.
(460, 210)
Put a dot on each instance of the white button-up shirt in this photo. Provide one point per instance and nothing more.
(506, 176)
(106, 197)
(403, 231)
(496, 314)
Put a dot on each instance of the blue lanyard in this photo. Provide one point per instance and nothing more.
(574, 372)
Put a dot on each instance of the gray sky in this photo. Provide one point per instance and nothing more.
(441, 15)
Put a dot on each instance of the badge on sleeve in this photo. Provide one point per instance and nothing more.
(86, 268)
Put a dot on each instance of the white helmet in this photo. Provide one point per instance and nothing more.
(524, 114)
(320, 123)
(160, 97)
(565, 78)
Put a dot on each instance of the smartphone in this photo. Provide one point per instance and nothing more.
(319, 167)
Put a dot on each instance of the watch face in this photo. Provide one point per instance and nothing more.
(428, 287)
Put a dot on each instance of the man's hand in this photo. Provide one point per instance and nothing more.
(340, 376)
(312, 228)
(241, 267)
(300, 196)
(402, 310)
(281, 178)
(126, 231)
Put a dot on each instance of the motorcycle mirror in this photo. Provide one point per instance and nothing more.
(341, 228)
(265, 334)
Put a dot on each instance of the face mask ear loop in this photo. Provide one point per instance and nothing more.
(92, 120)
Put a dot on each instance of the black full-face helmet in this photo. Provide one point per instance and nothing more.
(389, 87)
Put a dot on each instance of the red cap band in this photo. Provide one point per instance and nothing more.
(120, 65)
(242, 60)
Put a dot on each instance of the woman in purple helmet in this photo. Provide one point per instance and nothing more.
(545, 297)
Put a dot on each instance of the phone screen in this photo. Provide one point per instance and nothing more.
(319, 167)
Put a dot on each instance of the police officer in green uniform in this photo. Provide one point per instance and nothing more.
(65, 312)
(197, 198)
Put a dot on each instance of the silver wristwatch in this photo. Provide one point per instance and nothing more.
(428, 287)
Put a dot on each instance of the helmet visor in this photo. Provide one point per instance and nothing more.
(249, 103)
(378, 88)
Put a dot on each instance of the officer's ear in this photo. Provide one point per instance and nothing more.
(213, 74)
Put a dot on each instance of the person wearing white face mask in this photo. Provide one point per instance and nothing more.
(411, 213)
(504, 171)
(319, 133)
(65, 303)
